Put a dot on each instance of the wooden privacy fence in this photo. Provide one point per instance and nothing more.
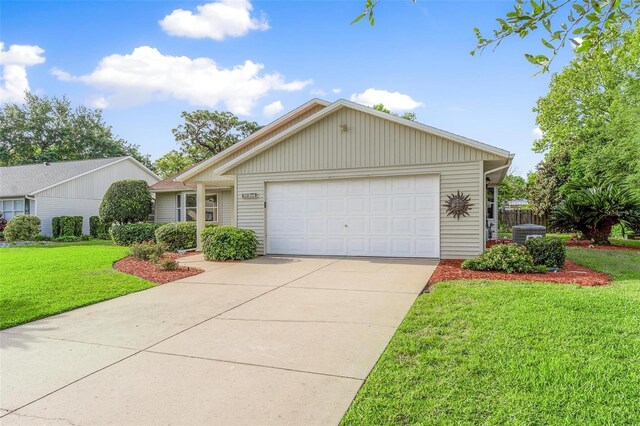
(520, 217)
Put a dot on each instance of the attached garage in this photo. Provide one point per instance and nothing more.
(394, 216)
(346, 180)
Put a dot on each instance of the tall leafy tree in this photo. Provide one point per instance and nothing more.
(513, 187)
(51, 129)
(206, 133)
(172, 163)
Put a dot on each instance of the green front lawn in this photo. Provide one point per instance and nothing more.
(39, 281)
(496, 352)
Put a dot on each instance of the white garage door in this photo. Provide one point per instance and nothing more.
(384, 216)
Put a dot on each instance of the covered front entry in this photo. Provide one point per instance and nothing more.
(391, 216)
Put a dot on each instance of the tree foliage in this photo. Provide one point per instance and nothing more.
(50, 129)
(411, 116)
(126, 201)
(206, 133)
(172, 163)
(590, 121)
(583, 24)
(513, 187)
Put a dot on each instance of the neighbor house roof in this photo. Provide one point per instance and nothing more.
(170, 184)
(33, 178)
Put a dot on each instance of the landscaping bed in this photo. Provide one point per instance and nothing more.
(570, 273)
(147, 270)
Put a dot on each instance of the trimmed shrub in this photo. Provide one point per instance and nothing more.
(547, 251)
(22, 227)
(42, 238)
(131, 233)
(126, 201)
(99, 228)
(164, 264)
(507, 258)
(229, 243)
(1, 235)
(178, 235)
(66, 226)
(147, 250)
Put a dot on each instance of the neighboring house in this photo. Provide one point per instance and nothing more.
(516, 204)
(344, 179)
(66, 188)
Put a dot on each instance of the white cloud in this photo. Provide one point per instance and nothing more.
(318, 92)
(272, 109)
(537, 133)
(217, 20)
(146, 74)
(14, 63)
(393, 100)
(576, 42)
(336, 90)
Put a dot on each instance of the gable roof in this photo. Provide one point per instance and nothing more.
(203, 165)
(343, 103)
(30, 179)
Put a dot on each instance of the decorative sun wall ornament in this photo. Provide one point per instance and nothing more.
(458, 205)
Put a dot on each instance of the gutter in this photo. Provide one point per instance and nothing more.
(497, 169)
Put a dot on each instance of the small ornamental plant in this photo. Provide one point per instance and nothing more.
(509, 258)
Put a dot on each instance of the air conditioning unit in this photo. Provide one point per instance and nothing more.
(521, 233)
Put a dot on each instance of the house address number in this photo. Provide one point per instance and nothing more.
(246, 195)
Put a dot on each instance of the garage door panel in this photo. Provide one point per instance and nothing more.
(386, 216)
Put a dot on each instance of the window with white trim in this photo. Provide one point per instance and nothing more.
(190, 207)
(14, 207)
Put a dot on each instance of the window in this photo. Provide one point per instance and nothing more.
(190, 207)
(11, 208)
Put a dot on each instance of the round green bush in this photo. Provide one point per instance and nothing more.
(507, 258)
(178, 235)
(126, 201)
(229, 243)
(547, 251)
(22, 227)
(131, 233)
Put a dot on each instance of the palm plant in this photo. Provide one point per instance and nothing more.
(593, 209)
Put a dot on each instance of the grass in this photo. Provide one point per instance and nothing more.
(495, 352)
(39, 281)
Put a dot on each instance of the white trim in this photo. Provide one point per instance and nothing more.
(342, 103)
(266, 129)
(136, 162)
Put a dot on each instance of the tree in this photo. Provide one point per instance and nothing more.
(590, 121)
(513, 187)
(50, 129)
(206, 133)
(411, 116)
(583, 24)
(126, 201)
(593, 209)
(172, 163)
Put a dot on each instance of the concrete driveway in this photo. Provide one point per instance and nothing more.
(275, 340)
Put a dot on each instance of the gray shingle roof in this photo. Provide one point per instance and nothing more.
(27, 179)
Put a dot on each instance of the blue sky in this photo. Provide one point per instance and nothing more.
(306, 49)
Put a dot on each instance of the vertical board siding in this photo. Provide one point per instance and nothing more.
(368, 142)
(94, 185)
(208, 175)
(50, 207)
(461, 238)
(166, 207)
(227, 208)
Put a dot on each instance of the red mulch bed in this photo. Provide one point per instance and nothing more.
(148, 271)
(589, 244)
(570, 273)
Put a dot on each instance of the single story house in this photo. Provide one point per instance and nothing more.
(344, 179)
(66, 188)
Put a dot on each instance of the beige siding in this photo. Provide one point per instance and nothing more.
(458, 238)
(166, 207)
(370, 141)
(50, 207)
(227, 208)
(94, 185)
(208, 175)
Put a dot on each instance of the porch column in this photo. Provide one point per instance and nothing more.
(200, 217)
(495, 206)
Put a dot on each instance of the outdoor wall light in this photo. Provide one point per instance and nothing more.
(344, 127)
